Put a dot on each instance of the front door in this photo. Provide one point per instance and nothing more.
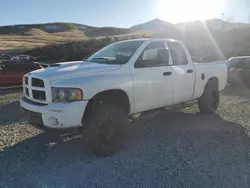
(152, 77)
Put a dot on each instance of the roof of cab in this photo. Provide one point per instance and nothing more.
(240, 57)
(147, 39)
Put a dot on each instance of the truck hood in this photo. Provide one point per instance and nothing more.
(70, 69)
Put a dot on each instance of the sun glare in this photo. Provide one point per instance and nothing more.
(188, 10)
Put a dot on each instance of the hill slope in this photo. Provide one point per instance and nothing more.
(155, 25)
(30, 36)
(211, 39)
(107, 31)
(158, 25)
(47, 27)
(213, 24)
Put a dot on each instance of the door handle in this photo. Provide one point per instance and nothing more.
(167, 73)
(190, 71)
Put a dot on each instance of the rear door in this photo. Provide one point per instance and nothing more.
(183, 72)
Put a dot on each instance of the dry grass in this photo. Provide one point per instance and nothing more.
(35, 39)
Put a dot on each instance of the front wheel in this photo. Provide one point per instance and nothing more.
(209, 101)
(106, 131)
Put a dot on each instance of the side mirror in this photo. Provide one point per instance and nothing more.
(163, 55)
(122, 57)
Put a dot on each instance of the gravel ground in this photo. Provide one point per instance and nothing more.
(170, 149)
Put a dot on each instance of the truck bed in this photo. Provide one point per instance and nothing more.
(204, 71)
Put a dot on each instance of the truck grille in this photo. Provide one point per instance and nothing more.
(37, 82)
(36, 90)
(32, 102)
(27, 91)
(40, 95)
(26, 80)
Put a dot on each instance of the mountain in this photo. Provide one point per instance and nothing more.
(210, 39)
(158, 25)
(107, 31)
(55, 28)
(213, 24)
(47, 28)
(159, 28)
(155, 25)
(34, 35)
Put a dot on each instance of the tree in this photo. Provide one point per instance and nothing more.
(225, 19)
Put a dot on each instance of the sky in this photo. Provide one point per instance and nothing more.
(120, 13)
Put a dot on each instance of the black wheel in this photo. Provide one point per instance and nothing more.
(209, 101)
(106, 129)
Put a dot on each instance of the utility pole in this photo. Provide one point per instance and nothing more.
(73, 52)
(223, 21)
(249, 20)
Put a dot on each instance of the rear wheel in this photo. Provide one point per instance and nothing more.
(209, 101)
(106, 131)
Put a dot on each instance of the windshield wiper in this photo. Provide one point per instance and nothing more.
(101, 58)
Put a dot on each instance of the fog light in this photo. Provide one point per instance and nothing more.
(53, 121)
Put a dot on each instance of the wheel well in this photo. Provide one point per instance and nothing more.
(114, 97)
(212, 83)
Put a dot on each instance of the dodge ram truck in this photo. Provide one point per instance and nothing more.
(100, 94)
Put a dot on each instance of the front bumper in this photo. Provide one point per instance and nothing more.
(55, 115)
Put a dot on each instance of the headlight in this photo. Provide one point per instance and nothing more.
(67, 94)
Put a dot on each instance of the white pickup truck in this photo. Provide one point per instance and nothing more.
(115, 83)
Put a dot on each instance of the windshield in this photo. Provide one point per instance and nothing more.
(116, 53)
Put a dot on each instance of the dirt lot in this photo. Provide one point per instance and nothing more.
(171, 149)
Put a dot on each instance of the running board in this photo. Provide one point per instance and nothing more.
(154, 112)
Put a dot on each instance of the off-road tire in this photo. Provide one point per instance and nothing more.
(209, 101)
(106, 120)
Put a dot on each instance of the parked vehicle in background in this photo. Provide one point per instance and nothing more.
(5, 57)
(11, 72)
(44, 65)
(22, 58)
(197, 59)
(14, 58)
(119, 81)
(239, 70)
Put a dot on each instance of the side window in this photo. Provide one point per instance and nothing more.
(178, 53)
(152, 56)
